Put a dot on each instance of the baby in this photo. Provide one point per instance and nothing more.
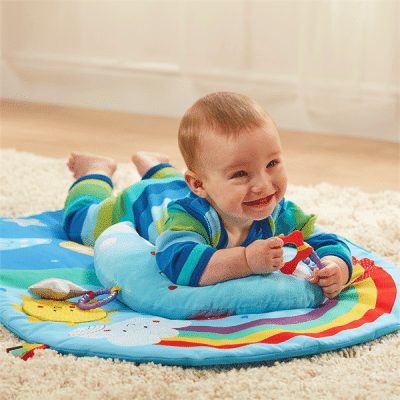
(222, 219)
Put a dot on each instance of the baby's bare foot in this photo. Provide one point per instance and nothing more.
(145, 160)
(81, 164)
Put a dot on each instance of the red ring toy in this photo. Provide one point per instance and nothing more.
(303, 251)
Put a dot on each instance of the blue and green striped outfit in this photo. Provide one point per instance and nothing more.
(185, 228)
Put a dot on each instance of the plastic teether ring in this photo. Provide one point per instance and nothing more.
(91, 295)
(303, 251)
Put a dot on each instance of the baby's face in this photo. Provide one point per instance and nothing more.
(243, 178)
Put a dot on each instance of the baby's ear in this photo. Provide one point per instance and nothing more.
(195, 184)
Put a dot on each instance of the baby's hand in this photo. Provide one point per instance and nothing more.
(332, 277)
(265, 256)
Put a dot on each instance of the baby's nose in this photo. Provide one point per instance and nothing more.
(260, 184)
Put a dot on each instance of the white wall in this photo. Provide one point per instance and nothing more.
(329, 66)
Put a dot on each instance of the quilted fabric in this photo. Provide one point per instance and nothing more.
(161, 329)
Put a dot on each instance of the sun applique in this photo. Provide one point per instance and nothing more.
(41, 310)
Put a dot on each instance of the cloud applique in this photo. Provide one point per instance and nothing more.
(134, 331)
(25, 222)
(14, 244)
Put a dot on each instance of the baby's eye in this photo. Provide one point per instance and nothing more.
(271, 164)
(239, 174)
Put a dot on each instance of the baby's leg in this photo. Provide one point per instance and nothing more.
(86, 213)
(144, 161)
(81, 164)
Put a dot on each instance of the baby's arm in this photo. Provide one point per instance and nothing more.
(332, 277)
(186, 249)
(260, 257)
(332, 250)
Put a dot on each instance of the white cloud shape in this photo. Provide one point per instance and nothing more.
(25, 222)
(15, 244)
(134, 331)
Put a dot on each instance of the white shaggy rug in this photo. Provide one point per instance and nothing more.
(31, 184)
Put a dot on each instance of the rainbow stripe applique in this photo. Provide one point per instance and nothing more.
(370, 294)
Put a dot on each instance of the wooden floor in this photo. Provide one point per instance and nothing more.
(311, 158)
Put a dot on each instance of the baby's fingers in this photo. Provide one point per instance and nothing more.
(274, 242)
(331, 291)
(314, 278)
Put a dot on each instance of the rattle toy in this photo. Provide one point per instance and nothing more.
(82, 302)
(304, 251)
(61, 290)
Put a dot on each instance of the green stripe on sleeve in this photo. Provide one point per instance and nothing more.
(160, 223)
(190, 265)
(272, 225)
(303, 222)
(331, 250)
(105, 217)
(167, 172)
(182, 221)
(119, 208)
(92, 187)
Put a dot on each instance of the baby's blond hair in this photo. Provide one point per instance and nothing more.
(223, 113)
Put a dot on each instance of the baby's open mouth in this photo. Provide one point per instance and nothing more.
(260, 202)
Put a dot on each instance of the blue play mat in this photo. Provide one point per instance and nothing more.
(173, 324)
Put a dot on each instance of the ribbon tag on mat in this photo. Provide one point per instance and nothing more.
(26, 350)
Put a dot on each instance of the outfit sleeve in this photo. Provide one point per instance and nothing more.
(289, 217)
(184, 246)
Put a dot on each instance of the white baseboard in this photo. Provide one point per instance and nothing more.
(164, 90)
(139, 90)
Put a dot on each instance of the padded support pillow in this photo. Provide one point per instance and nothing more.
(123, 258)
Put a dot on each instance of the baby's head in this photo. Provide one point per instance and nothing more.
(221, 113)
(232, 150)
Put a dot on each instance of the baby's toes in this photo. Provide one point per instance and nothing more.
(71, 164)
